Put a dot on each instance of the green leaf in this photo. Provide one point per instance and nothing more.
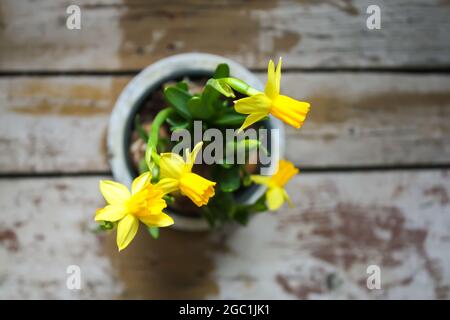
(242, 147)
(242, 216)
(142, 166)
(209, 216)
(229, 180)
(221, 87)
(259, 205)
(230, 119)
(183, 86)
(211, 100)
(226, 165)
(198, 109)
(178, 99)
(221, 207)
(246, 180)
(222, 71)
(140, 130)
(243, 212)
(154, 232)
(176, 122)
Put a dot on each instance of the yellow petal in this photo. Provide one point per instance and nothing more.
(140, 182)
(257, 103)
(289, 110)
(157, 220)
(171, 165)
(264, 180)
(275, 198)
(192, 156)
(114, 192)
(197, 188)
(147, 201)
(251, 119)
(286, 170)
(155, 203)
(126, 231)
(278, 77)
(271, 87)
(168, 185)
(110, 213)
(288, 199)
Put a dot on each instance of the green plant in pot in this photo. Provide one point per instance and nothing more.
(172, 174)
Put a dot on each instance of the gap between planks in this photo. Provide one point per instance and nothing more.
(304, 170)
(127, 73)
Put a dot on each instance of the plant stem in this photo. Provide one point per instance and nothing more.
(240, 86)
(152, 142)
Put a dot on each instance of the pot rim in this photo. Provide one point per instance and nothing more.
(149, 79)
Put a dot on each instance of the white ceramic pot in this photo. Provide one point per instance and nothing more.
(151, 78)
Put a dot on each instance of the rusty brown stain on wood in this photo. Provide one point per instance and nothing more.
(358, 225)
(8, 238)
(351, 235)
(287, 39)
(43, 98)
(337, 109)
(178, 265)
(300, 287)
(346, 6)
(151, 32)
(61, 186)
(401, 282)
(44, 108)
(103, 146)
(398, 191)
(435, 271)
(39, 89)
(438, 192)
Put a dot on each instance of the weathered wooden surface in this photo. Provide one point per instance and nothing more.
(58, 124)
(130, 34)
(342, 223)
(55, 124)
(46, 226)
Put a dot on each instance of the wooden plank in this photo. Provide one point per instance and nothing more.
(46, 226)
(130, 34)
(371, 120)
(58, 124)
(342, 223)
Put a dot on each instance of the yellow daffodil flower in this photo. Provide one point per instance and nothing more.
(276, 195)
(176, 174)
(144, 203)
(260, 105)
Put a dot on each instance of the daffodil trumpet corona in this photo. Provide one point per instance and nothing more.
(276, 195)
(176, 174)
(144, 203)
